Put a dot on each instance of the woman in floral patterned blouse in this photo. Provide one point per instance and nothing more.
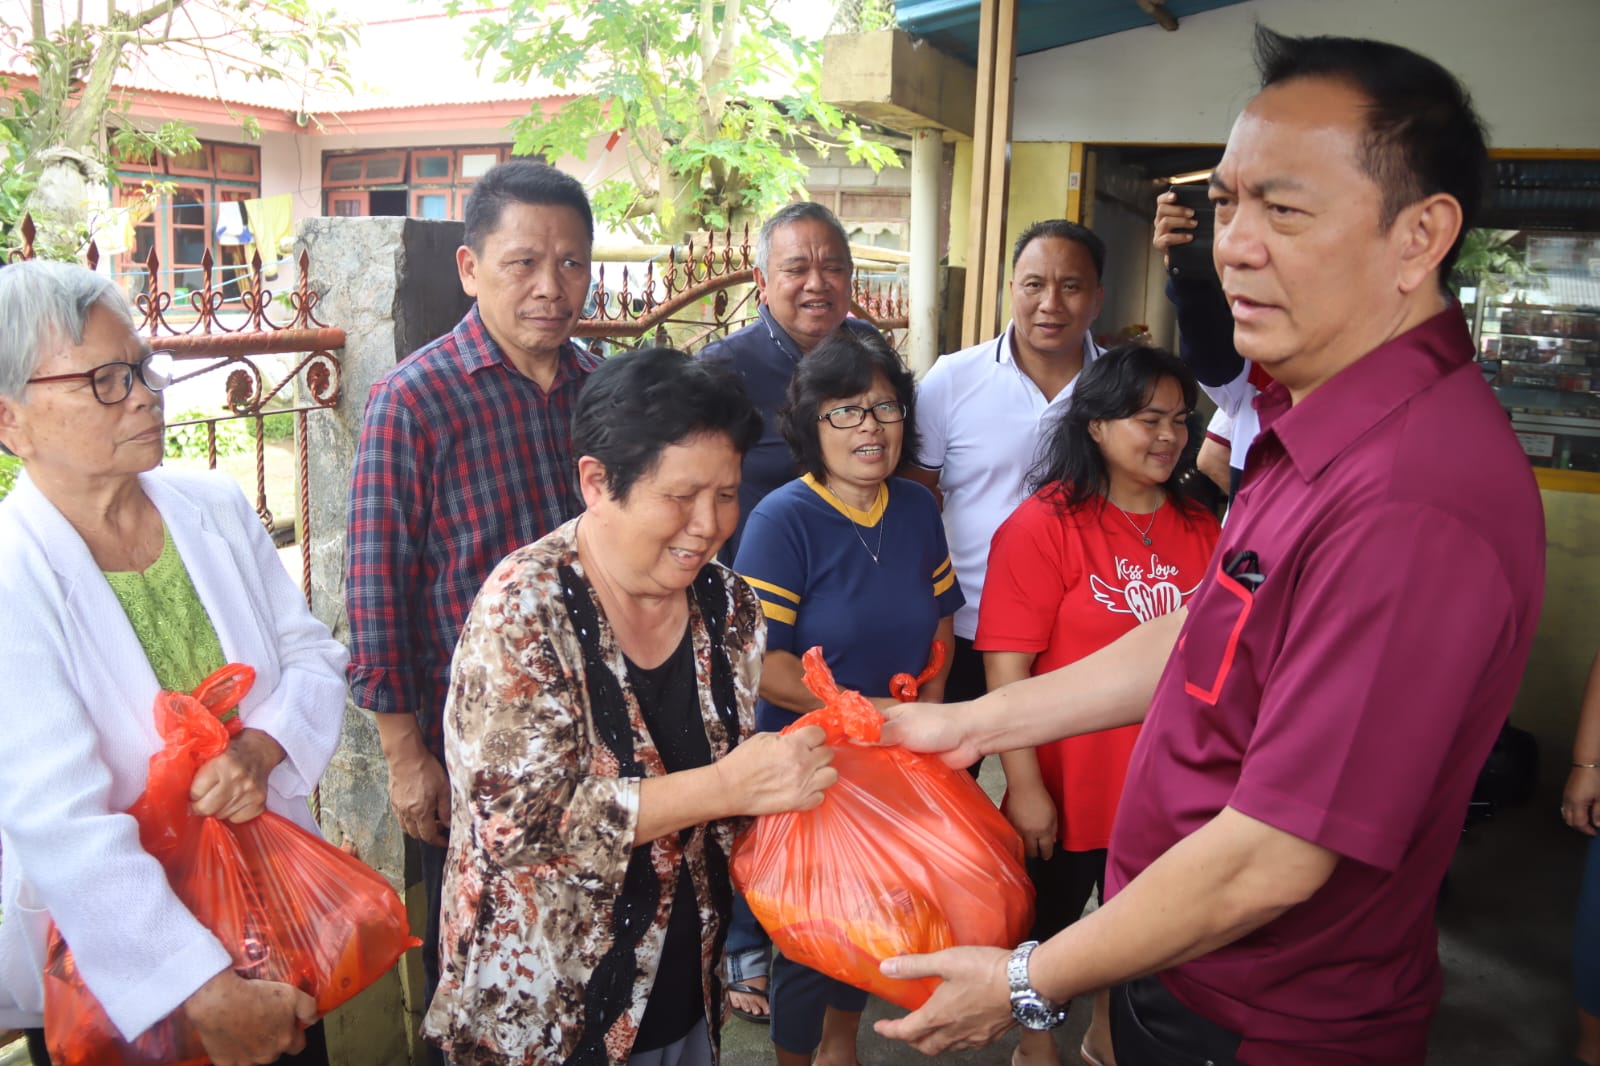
(600, 740)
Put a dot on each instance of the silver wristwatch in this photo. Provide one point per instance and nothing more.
(1029, 1008)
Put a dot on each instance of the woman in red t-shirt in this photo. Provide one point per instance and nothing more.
(1109, 539)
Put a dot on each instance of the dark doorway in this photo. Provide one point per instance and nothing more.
(387, 202)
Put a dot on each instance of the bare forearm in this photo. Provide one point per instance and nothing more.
(933, 690)
(1021, 767)
(1110, 688)
(782, 684)
(680, 800)
(1586, 745)
(1227, 879)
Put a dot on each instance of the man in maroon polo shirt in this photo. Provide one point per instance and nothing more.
(1315, 727)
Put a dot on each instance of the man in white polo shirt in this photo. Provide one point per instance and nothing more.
(981, 411)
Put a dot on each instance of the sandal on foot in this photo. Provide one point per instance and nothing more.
(745, 988)
(1088, 1056)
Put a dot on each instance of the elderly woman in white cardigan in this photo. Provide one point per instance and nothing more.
(119, 580)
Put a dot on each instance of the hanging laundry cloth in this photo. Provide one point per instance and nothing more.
(272, 221)
(231, 228)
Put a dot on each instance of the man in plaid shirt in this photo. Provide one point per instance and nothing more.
(465, 455)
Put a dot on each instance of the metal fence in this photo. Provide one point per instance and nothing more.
(707, 293)
(227, 338)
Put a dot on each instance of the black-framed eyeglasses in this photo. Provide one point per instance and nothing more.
(851, 415)
(112, 382)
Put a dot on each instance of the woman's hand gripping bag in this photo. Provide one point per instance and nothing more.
(904, 856)
(287, 905)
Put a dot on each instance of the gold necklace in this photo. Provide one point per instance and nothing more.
(882, 521)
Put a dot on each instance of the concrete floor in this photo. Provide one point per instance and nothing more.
(1505, 926)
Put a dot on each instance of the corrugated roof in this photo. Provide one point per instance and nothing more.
(952, 25)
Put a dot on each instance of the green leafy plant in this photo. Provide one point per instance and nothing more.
(276, 428)
(1489, 261)
(187, 437)
(10, 467)
(714, 98)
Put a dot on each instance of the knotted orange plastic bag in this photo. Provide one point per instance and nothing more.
(904, 856)
(287, 905)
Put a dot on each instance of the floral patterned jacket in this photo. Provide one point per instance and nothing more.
(553, 924)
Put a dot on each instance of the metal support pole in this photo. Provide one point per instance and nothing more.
(927, 153)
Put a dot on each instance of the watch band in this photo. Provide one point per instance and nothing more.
(1028, 1007)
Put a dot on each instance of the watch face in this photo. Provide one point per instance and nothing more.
(1033, 1013)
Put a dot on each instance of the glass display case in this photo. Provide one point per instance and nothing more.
(1538, 338)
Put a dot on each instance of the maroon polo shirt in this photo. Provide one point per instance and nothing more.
(1349, 691)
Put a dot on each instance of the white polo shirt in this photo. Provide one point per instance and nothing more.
(1235, 402)
(980, 418)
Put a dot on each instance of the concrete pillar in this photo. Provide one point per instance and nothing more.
(927, 158)
(391, 284)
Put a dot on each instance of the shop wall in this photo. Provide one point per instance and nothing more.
(1530, 67)
(960, 202)
(1569, 629)
(1038, 192)
(1127, 236)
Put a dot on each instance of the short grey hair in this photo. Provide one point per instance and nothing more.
(43, 306)
(787, 216)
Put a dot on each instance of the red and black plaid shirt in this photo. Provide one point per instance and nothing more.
(461, 460)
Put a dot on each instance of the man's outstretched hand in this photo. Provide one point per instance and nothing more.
(972, 1008)
(935, 728)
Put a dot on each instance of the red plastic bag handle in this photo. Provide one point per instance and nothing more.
(222, 691)
(903, 687)
(845, 713)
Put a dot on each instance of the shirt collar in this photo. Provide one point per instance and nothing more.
(1340, 410)
(780, 336)
(480, 350)
(1004, 352)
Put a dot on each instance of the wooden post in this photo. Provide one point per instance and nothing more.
(991, 153)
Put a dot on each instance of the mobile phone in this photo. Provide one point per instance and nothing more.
(1192, 261)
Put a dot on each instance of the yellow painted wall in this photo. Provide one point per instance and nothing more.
(1039, 178)
(1569, 629)
(960, 203)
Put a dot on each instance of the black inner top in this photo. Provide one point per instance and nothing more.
(669, 700)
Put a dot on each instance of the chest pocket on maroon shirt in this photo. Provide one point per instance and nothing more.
(1211, 637)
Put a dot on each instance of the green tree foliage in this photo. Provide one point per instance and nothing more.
(713, 97)
(70, 124)
(10, 467)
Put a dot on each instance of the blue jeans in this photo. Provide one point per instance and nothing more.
(748, 947)
(1586, 935)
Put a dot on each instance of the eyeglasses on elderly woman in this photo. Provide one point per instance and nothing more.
(851, 415)
(112, 382)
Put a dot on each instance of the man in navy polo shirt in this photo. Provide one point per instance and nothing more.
(803, 272)
(1316, 725)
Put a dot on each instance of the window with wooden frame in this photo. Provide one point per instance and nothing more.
(237, 162)
(376, 168)
(196, 164)
(431, 203)
(433, 167)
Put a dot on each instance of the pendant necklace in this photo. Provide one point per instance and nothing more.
(1144, 534)
(882, 521)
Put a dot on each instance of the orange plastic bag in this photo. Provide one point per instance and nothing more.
(904, 856)
(287, 905)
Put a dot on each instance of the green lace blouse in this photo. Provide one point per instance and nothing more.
(169, 620)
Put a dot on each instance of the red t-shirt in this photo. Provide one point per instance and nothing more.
(1062, 586)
